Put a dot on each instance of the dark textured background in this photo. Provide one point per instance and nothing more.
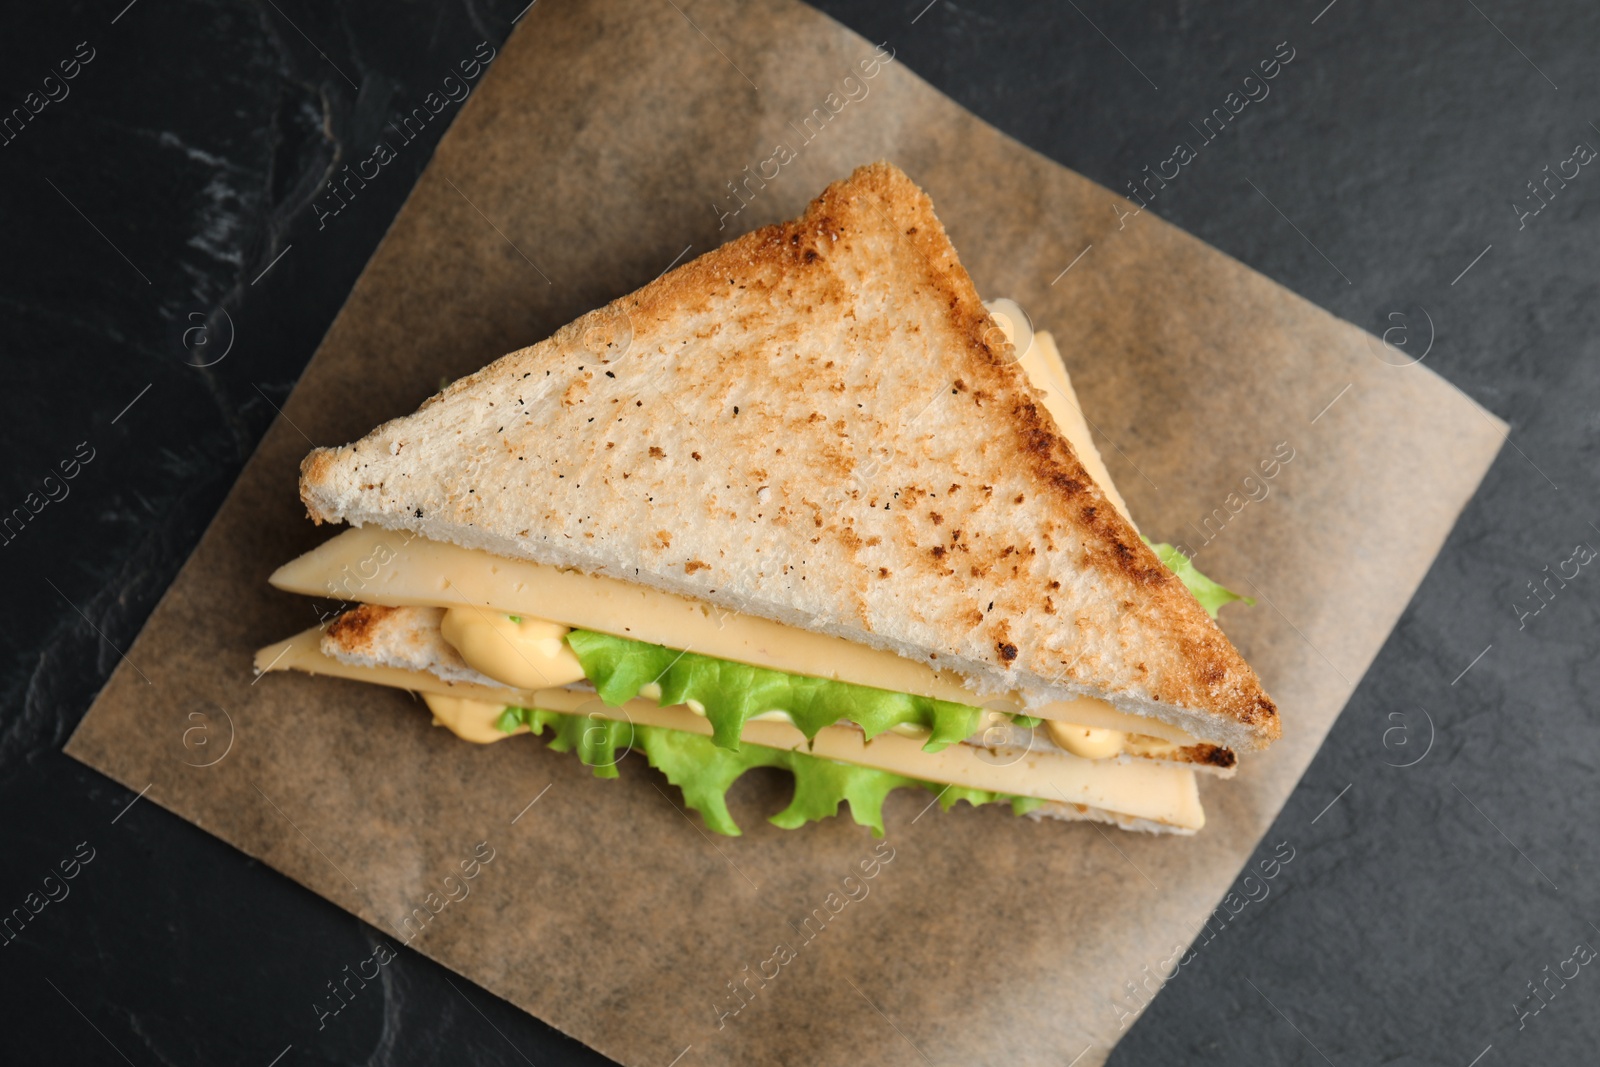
(183, 162)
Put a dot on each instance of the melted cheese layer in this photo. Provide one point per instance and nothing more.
(515, 650)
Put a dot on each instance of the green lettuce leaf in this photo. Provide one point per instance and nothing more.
(732, 692)
(1211, 595)
(705, 772)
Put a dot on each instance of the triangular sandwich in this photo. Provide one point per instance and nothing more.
(802, 501)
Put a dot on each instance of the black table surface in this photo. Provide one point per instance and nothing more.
(1416, 169)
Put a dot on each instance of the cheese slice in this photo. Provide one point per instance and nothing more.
(1162, 794)
(377, 566)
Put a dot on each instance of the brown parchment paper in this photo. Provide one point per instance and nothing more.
(596, 151)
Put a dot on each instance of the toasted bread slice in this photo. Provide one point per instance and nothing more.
(820, 424)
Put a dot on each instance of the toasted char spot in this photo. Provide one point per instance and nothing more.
(354, 629)
(1209, 755)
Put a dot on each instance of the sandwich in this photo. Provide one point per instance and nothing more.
(803, 502)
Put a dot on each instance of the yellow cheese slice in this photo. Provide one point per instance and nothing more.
(377, 566)
(1160, 793)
